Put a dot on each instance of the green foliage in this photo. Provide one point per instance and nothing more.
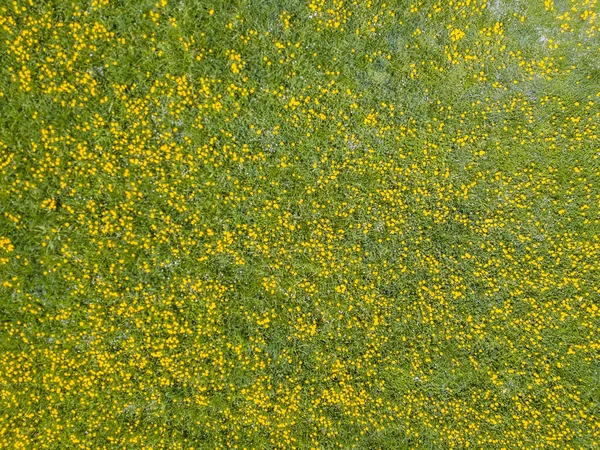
(281, 224)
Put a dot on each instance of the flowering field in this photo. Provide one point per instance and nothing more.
(276, 224)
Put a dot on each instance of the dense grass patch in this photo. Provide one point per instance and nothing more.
(299, 224)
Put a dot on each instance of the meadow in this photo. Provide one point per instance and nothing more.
(308, 224)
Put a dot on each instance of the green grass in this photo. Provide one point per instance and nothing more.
(285, 224)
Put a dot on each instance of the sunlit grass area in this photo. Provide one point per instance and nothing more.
(321, 224)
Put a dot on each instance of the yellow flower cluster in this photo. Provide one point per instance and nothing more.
(346, 224)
